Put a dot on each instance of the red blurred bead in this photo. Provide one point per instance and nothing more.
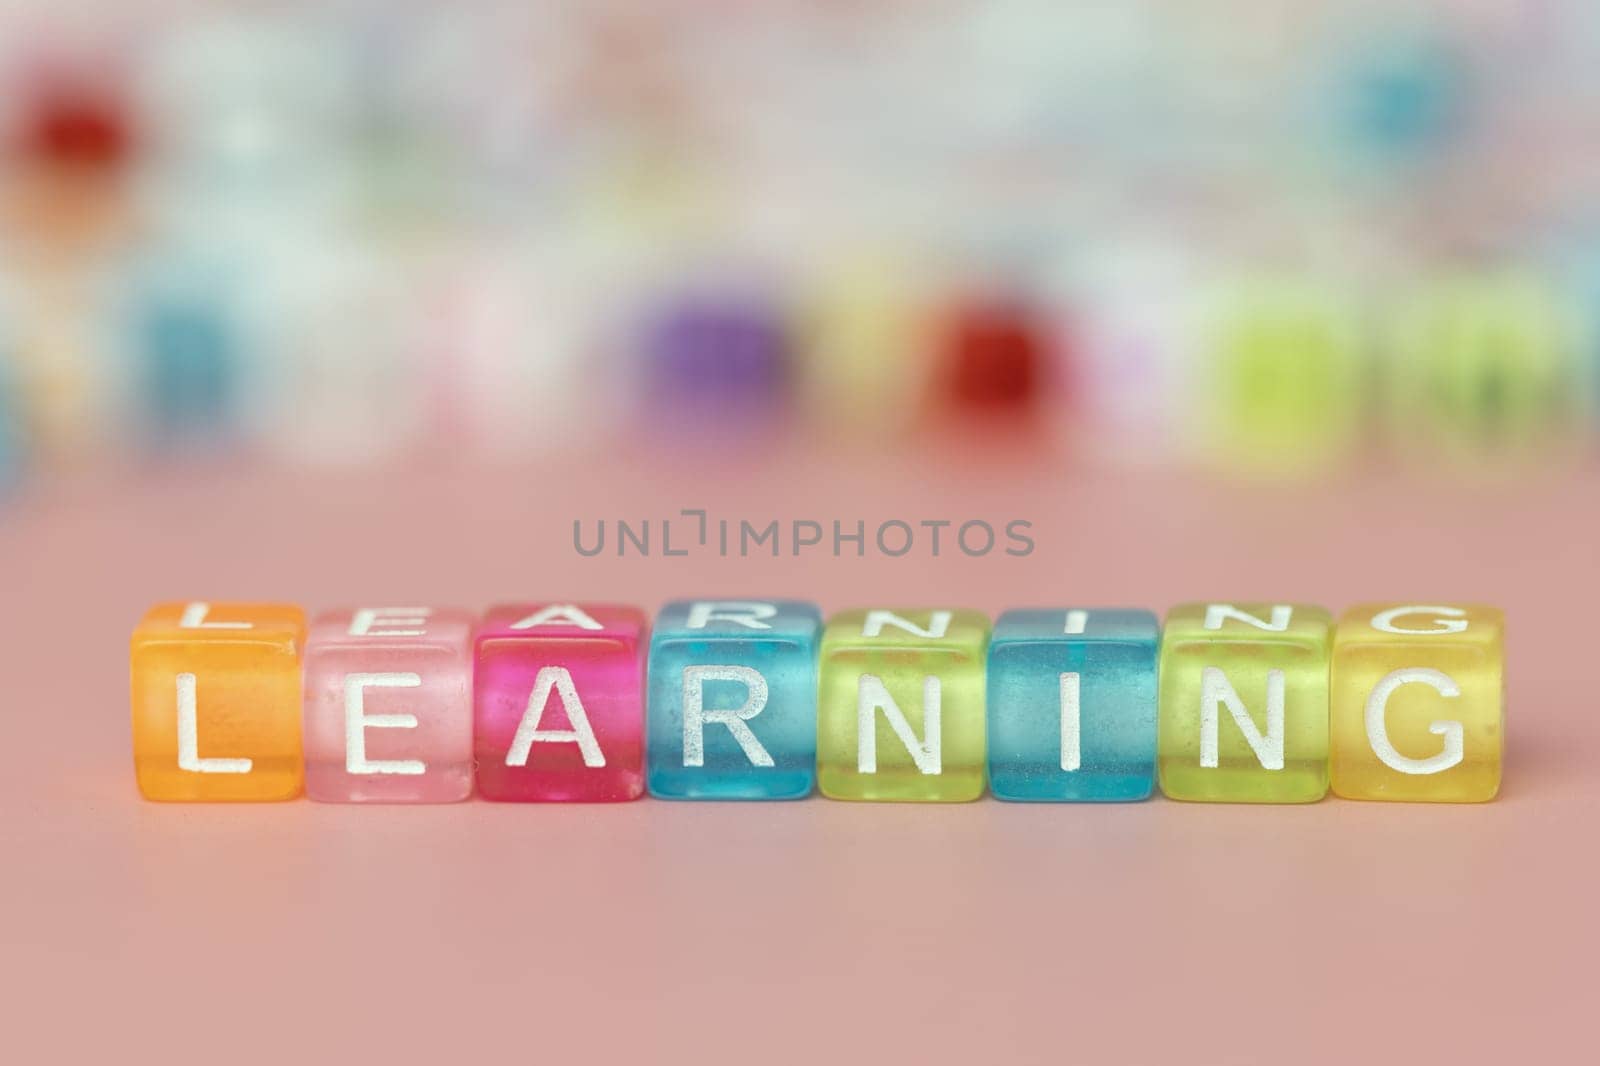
(80, 127)
(993, 357)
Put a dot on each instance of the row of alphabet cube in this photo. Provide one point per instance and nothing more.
(748, 699)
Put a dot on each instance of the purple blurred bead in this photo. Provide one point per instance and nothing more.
(729, 358)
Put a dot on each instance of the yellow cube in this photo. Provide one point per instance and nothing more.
(900, 707)
(1243, 704)
(216, 702)
(1418, 703)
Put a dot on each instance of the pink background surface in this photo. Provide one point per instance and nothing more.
(1339, 932)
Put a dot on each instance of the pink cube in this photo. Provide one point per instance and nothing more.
(559, 703)
(388, 705)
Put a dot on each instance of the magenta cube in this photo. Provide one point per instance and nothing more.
(388, 705)
(558, 707)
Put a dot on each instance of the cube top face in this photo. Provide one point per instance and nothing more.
(388, 705)
(1227, 622)
(789, 621)
(1422, 623)
(216, 702)
(195, 620)
(954, 630)
(375, 627)
(1079, 624)
(732, 704)
(568, 621)
(1417, 705)
(1243, 714)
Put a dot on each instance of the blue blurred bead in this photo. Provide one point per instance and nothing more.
(1407, 96)
(188, 364)
(770, 751)
(182, 314)
(1114, 660)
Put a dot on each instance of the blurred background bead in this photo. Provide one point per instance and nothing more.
(1279, 378)
(184, 331)
(559, 225)
(1487, 373)
(995, 363)
(343, 388)
(11, 436)
(250, 113)
(865, 345)
(1398, 94)
(719, 362)
(69, 138)
(1131, 351)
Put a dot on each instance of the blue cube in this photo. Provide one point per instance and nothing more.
(732, 700)
(1072, 705)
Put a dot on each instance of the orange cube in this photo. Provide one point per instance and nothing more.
(216, 702)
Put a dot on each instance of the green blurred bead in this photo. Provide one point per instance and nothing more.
(1484, 369)
(1280, 379)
